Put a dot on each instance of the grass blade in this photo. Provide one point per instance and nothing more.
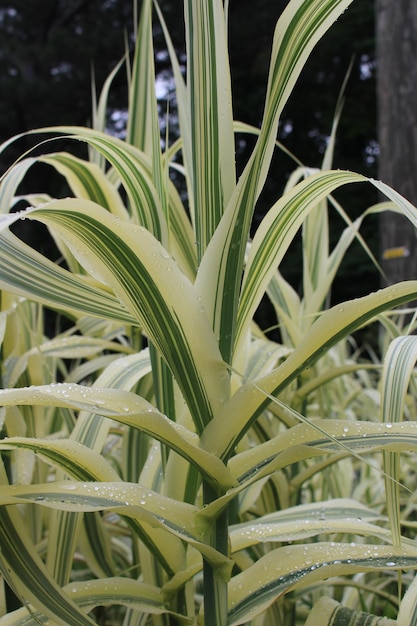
(335, 323)
(147, 281)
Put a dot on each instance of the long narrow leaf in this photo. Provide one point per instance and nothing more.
(337, 322)
(292, 567)
(275, 233)
(105, 592)
(28, 576)
(210, 108)
(126, 408)
(307, 441)
(87, 181)
(129, 500)
(27, 273)
(298, 30)
(149, 284)
(398, 369)
(309, 520)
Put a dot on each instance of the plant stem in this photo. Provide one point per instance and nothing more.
(215, 589)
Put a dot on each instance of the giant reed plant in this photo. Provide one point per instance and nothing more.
(161, 454)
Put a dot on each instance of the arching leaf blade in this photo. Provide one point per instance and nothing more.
(121, 406)
(28, 576)
(334, 324)
(152, 287)
(31, 275)
(275, 234)
(293, 567)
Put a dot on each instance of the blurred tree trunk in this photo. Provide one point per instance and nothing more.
(396, 53)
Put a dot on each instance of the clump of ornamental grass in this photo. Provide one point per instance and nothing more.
(163, 461)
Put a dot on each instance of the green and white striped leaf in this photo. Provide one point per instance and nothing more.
(79, 346)
(151, 286)
(127, 499)
(293, 567)
(307, 441)
(287, 305)
(276, 232)
(407, 613)
(70, 456)
(134, 169)
(202, 339)
(105, 592)
(310, 520)
(404, 205)
(328, 612)
(126, 408)
(87, 181)
(99, 110)
(10, 182)
(398, 369)
(338, 516)
(342, 436)
(141, 124)
(92, 430)
(327, 376)
(316, 226)
(298, 30)
(210, 114)
(31, 275)
(28, 577)
(334, 324)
